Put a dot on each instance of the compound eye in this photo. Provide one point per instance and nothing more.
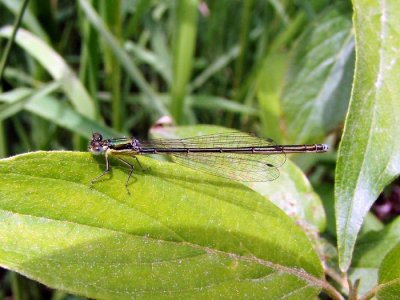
(97, 137)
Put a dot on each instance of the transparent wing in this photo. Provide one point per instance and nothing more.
(241, 167)
(218, 140)
(238, 166)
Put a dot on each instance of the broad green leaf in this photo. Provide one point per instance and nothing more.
(389, 276)
(179, 234)
(316, 95)
(293, 193)
(57, 67)
(369, 153)
(54, 110)
(369, 253)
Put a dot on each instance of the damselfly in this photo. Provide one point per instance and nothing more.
(233, 155)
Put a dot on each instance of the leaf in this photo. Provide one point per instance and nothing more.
(179, 234)
(292, 192)
(280, 10)
(18, 103)
(369, 153)
(316, 96)
(122, 56)
(29, 19)
(57, 67)
(183, 54)
(150, 58)
(369, 253)
(326, 193)
(389, 276)
(220, 62)
(212, 103)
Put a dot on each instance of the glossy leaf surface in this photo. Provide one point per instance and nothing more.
(369, 154)
(317, 92)
(180, 233)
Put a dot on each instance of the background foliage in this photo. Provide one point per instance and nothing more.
(281, 69)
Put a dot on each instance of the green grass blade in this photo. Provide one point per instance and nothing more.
(57, 67)
(17, 104)
(29, 20)
(369, 152)
(183, 55)
(217, 65)
(154, 102)
(160, 46)
(179, 233)
(20, 78)
(89, 68)
(220, 62)
(150, 58)
(270, 80)
(280, 10)
(3, 62)
(133, 26)
(212, 103)
(246, 13)
(57, 112)
(111, 14)
(10, 42)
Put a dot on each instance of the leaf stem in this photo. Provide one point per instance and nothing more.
(337, 278)
(370, 294)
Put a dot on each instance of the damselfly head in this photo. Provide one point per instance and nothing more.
(97, 145)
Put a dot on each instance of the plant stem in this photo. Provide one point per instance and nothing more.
(12, 38)
(185, 42)
(3, 61)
